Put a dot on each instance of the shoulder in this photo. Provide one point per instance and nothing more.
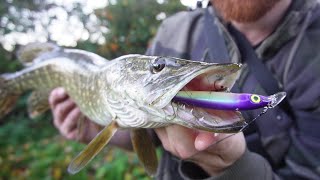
(181, 21)
(183, 17)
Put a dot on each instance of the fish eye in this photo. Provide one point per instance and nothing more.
(255, 98)
(158, 65)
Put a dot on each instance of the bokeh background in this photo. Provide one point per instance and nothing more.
(33, 148)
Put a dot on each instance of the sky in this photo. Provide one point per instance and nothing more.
(64, 32)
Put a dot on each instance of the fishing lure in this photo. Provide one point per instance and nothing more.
(227, 100)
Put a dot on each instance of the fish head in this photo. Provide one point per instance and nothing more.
(153, 81)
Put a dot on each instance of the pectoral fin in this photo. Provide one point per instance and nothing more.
(145, 150)
(81, 126)
(93, 148)
(38, 103)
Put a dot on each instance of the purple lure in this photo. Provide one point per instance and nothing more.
(228, 101)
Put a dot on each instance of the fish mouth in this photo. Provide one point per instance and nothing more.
(220, 77)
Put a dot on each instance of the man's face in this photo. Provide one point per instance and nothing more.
(243, 11)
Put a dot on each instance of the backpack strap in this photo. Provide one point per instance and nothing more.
(216, 43)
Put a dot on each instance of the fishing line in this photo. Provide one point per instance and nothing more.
(243, 128)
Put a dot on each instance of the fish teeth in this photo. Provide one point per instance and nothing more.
(201, 119)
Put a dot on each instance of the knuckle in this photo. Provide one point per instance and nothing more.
(64, 131)
(179, 151)
(58, 111)
(75, 114)
(56, 95)
(183, 153)
(166, 146)
(52, 99)
(72, 117)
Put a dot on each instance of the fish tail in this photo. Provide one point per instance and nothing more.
(8, 98)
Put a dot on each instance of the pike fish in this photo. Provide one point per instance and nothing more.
(130, 92)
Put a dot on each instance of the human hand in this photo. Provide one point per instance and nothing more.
(66, 115)
(200, 147)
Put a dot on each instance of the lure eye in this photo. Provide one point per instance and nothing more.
(255, 98)
(158, 65)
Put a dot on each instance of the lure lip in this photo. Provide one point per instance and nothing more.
(276, 99)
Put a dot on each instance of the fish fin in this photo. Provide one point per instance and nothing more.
(93, 148)
(31, 51)
(80, 126)
(38, 103)
(145, 149)
(7, 98)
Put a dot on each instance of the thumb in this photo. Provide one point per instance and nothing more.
(204, 140)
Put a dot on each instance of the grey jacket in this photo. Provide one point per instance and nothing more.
(279, 146)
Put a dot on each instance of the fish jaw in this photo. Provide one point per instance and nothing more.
(200, 76)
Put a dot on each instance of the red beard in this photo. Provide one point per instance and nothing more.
(243, 11)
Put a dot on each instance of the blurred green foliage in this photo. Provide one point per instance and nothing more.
(132, 24)
(32, 148)
(31, 15)
(7, 64)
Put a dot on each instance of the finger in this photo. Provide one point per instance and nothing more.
(204, 140)
(221, 154)
(70, 122)
(72, 135)
(163, 136)
(62, 110)
(90, 129)
(181, 140)
(229, 146)
(166, 142)
(56, 96)
(210, 158)
(209, 161)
